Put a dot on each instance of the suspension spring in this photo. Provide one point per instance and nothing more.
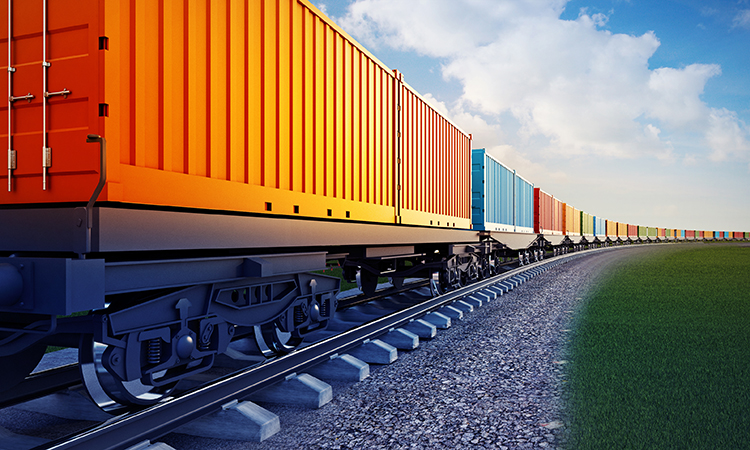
(154, 351)
(299, 314)
(323, 308)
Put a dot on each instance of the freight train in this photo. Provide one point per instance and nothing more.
(178, 172)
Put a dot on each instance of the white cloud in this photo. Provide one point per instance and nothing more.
(438, 28)
(580, 88)
(742, 19)
(674, 94)
(727, 136)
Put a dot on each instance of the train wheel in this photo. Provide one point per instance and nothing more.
(273, 341)
(397, 283)
(484, 269)
(109, 392)
(17, 367)
(367, 282)
(439, 283)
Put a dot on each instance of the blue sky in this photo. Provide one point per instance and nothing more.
(636, 111)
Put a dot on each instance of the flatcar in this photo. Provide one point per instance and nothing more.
(178, 172)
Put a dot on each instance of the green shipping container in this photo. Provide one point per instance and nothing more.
(587, 224)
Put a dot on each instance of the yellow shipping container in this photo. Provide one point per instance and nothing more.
(622, 229)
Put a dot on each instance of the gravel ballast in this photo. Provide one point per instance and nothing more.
(493, 380)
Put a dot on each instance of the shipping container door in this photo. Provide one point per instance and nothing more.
(50, 50)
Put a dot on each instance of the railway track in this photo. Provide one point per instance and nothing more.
(139, 429)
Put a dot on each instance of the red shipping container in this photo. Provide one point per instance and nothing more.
(632, 230)
(547, 213)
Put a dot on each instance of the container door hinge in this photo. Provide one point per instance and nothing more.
(11, 159)
(46, 163)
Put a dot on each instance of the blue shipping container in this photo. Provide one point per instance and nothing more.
(500, 199)
(600, 226)
(524, 205)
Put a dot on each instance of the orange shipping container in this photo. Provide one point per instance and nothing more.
(436, 171)
(611, 228)
(568, 220)
(261, 107)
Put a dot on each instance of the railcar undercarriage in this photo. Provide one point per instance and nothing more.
(146, 313)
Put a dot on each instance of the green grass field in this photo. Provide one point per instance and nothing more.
(660, 354)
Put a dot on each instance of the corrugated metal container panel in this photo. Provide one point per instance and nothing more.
(632, 230)
(587, 223)
(569, 220)
(492, 193)
(689, 233)
(576, 221)
(622, 229)
(261, 106)
(559, 210)
(583, 218)
(544, 215)
(611, 228)
(524, 205)
(738, 235)
(436, 171)
(652, 231)
(747, 234)
(55, 121)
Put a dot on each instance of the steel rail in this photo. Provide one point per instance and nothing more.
(128, 430)
(360, 299)
(40, 384)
